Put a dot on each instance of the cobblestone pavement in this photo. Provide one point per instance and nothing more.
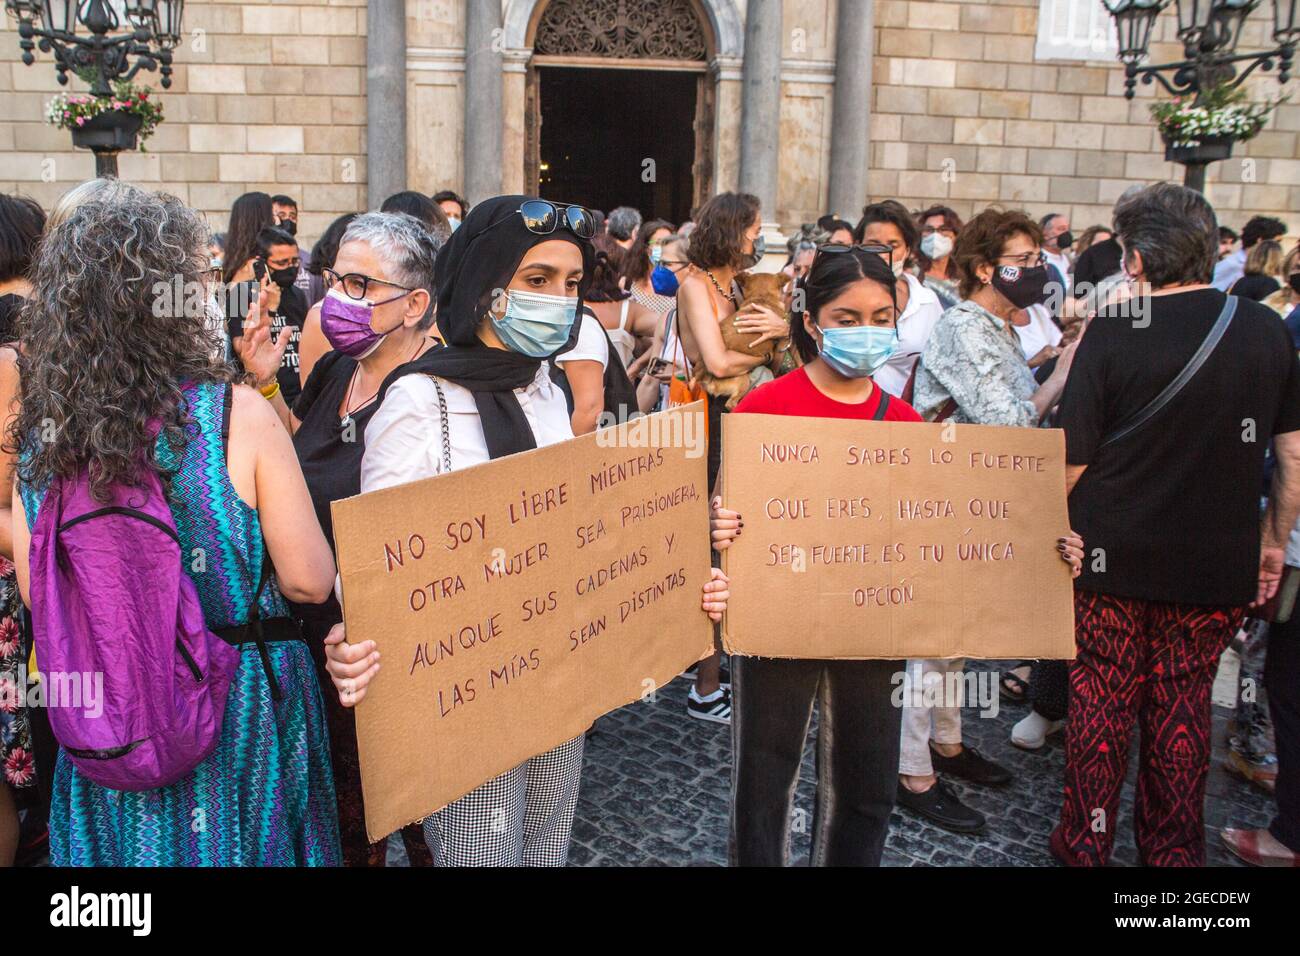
(655, 791)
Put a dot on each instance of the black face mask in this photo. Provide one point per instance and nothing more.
(284, 277)
(289, 226)
(1065, 240)
(1293, 280)
(1023, 287)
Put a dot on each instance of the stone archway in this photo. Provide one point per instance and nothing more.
(703, 38)
(725, 24)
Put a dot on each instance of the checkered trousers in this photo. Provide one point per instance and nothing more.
(521, 818)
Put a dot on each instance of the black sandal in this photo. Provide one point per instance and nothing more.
(1020, 692)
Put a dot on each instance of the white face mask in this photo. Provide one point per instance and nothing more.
(898, 267)
(936, 245)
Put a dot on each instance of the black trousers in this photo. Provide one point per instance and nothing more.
(1282, 679)
(857, 757)
(1049, 688)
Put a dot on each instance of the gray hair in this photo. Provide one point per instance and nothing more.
(1174, 229)
(623, 222)
(1047, 220)
(407, 247)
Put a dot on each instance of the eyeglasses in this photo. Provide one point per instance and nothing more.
(355, 285)
(1026, 261)
(542, 217)
(931, 230)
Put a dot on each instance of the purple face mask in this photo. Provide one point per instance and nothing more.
(346, 323)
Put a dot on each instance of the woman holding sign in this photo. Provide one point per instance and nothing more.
(510, 283)
(846, 333)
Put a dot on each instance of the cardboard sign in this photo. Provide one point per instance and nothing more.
(882, 540)
(516, 601)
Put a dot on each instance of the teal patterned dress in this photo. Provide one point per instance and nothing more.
(265, 797)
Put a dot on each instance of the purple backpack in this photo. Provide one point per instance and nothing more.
(135, 682)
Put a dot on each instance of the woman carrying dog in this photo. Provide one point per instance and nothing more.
(846, 333)
(724, 243)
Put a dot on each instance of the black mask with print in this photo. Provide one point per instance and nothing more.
(284, 277)
(1023, 287)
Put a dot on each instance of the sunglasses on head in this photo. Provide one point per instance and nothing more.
(542, 217)
(873, 248)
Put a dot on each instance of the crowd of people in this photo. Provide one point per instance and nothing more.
(254, 382)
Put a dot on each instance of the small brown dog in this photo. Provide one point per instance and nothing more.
(765, 289)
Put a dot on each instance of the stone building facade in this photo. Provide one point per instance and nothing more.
(812, 104)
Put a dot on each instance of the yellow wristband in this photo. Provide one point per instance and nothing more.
(270, 391)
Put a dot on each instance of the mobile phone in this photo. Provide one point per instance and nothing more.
(657, 365)
(259, 269)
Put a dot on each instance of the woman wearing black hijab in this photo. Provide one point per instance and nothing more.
(510, 283)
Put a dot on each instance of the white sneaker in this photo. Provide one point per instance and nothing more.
(1032, 732)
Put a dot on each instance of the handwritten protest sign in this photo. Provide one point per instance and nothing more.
(883, 540)
(516, 601)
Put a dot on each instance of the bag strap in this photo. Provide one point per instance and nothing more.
(883, 407)
(1193, 366)
(446, 428)
(622, 315)
(909, 390)
(946, 410)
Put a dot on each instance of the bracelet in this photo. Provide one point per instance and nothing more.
(270, 391)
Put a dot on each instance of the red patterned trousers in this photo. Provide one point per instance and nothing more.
(1150, 664)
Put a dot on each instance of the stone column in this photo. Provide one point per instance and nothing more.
(851, 107)
(761, 103)
(385, 101)
(484, 123)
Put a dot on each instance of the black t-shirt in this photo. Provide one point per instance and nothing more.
(1255, 287)
(1171, 513)
(329, 450)
(1099, 261)
(292, 311)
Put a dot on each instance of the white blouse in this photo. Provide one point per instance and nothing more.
(590, 346)
(914, 328)
(404, 437)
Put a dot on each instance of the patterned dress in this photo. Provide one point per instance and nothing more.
(16, 766)
(265, 797)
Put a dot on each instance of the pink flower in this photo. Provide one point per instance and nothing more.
(81, 121)
(8, 638)
(19, 768)
(9, 696)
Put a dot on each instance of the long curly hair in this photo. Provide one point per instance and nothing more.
(105, 346)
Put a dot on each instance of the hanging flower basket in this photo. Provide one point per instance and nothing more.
(106, 123)
(113, 130)
(1211, 149)
(1202, 130)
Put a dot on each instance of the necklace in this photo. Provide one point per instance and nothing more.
(347, 420)
(726, 295)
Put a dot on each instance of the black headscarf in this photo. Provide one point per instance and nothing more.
(478, 261)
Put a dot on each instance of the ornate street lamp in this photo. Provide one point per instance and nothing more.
(82, 35)
(1209, 31)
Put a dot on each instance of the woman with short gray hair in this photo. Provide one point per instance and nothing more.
(1172, 399)
(377, 314)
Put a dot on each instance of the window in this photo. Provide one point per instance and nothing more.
(1075, 30)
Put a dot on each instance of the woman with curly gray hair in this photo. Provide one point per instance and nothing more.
(109, 359)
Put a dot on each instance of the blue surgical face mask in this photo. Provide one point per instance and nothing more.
(536, 324)
(858, 352)
(453, 222)
(663, 280)
(656, 253)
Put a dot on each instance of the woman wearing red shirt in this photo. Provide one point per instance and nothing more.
(846, 331)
